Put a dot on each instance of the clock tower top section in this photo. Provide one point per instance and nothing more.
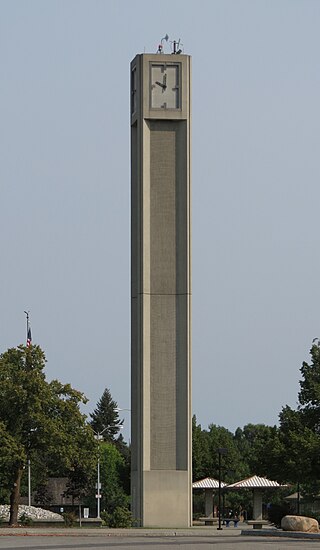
(160, 87)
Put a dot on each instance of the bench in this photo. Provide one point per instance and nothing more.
(209, 520)
(257, 523)
(227, 521)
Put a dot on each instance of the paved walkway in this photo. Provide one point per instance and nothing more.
(243, 529)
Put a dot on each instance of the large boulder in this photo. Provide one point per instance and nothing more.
(299, 523)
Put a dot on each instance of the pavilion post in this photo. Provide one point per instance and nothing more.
(208, 495)
(257, 504)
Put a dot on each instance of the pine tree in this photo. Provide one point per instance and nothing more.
(105, 418)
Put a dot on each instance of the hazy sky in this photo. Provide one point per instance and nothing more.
(65, 192)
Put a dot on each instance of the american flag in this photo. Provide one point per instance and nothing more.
(29, 338)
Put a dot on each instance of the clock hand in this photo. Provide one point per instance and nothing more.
(160, 84)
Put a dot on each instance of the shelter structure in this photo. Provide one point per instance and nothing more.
(210, 485)
(257, 485)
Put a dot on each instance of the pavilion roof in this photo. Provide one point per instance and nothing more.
(207, 483)
(254, 482)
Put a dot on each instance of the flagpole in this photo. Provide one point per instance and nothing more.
(27, 314)
(29, 461)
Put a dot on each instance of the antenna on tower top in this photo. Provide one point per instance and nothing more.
(160, 47)
(176, 46)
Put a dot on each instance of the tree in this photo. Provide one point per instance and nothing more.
(111, 467)
(125, 469)
(299, 455)
(205, 446)
(105, 417)
(80, 481)
(309, 395)
(257, 444)
(39, 419)
(205, 457)
(298, 444)
(10, 450)
(200, 451)
(220, 437)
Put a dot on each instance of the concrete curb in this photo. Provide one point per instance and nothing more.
(106, 532)
(279, 533)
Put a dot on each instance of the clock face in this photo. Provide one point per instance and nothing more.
(165, 89)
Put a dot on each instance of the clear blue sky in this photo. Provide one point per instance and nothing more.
(65, 192)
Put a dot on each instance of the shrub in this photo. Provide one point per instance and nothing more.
(276, 512)
(25, 520)
(120, 517)
(105, 516)
(69, 518)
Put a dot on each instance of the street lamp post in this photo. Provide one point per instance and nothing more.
(221, 451)
(98, 437)
(98, 487)
(29, 465)
(29, 482)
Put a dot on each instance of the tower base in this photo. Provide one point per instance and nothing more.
(165, 501)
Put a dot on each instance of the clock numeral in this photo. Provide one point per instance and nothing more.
(164, 86)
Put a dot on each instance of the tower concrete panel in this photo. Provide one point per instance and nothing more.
(161, 290)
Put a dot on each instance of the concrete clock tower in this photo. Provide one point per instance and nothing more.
(161, 290)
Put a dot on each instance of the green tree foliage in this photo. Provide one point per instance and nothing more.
(105, 418)
(206, 456)
(309, 395)
(111, 468)
(298, 455)
(125, 469)
(105, 422)
(38, 419)
(80, 480)
(257, 445)
(221, 438)
(200, 452)
(10, 451)
(206, 445)
(113, 481)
